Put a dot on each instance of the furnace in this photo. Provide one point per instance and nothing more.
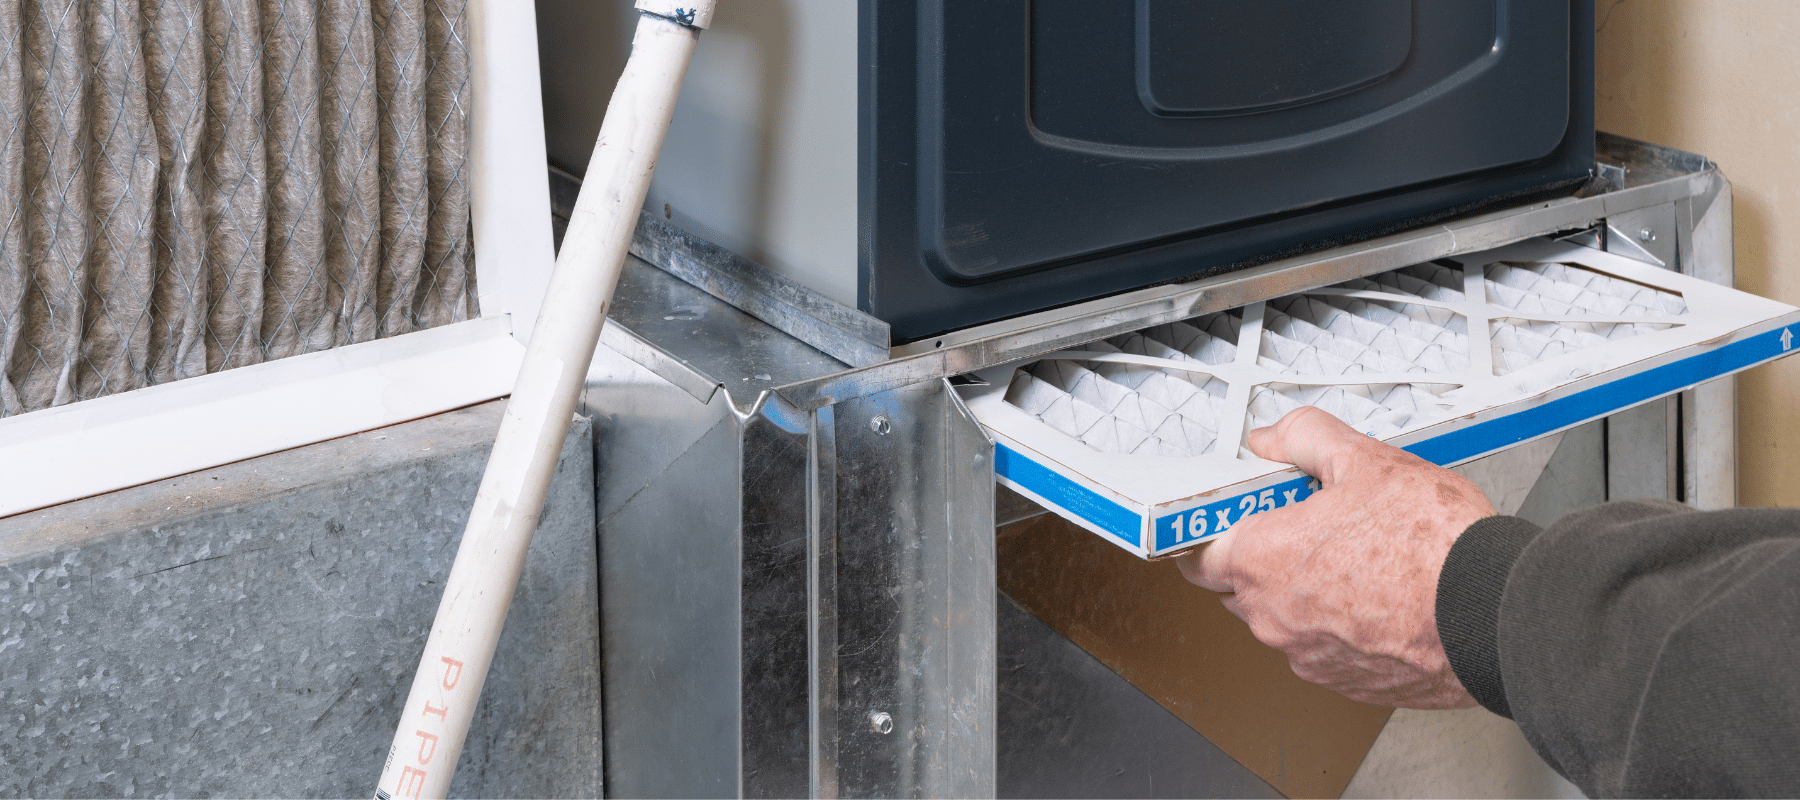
(901, 255)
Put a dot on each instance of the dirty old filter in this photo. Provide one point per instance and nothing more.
(1140, 437)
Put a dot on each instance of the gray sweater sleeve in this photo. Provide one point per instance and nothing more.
(1645, 649)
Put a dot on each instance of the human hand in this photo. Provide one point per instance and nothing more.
(1345, 582)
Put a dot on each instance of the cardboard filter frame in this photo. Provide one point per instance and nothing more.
(1139, 438)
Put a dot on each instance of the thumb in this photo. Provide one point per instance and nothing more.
(1313, 440)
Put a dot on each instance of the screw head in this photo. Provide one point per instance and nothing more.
(881, 425)
(1645, 234)
(881, 722)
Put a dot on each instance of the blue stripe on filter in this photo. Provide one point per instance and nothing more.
(1601, 400)
(1071, 496)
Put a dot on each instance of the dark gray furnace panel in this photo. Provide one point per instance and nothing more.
(1017, 156)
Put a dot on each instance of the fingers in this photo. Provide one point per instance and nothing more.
(1308, 437)
(1206, 566)
(1220, 565)
(1313, 440)
(1234, 604)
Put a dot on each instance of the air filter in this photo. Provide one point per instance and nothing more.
(1140, 437)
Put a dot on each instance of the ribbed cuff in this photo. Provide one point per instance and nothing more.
(1468, 603)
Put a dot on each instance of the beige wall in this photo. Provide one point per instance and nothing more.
(1722, 78)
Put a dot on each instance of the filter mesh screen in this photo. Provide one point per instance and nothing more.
(1132, 408)
(1562, 289)
(1377, 352)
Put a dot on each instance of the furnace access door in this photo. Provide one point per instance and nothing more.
(1022, 155)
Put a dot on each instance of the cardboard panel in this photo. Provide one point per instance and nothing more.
(1174, 641)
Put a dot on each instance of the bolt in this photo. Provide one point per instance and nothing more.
(1645, 234)
(880, 425)
(881, 722)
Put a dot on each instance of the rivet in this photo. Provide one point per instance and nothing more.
(1646, 234)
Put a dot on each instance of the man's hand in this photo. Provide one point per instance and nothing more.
(1345, 582)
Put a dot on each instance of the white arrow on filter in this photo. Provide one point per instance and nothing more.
(1787, 339)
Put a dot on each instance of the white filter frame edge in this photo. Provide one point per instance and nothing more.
(109, 443)
(1743, 331)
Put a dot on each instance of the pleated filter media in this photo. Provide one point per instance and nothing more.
(1140, 437)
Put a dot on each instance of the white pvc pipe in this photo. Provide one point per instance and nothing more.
(447, 685)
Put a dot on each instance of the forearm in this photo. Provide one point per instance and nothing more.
(1643, 648)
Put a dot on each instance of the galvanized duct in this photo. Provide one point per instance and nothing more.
(188, 186)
